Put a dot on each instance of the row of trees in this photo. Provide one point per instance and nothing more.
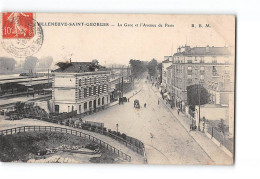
(30, 62)
(138, 66)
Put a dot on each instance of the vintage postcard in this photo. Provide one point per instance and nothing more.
(117, 88)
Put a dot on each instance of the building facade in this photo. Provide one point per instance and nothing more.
(80, 88)
(165, 64)
(207, 66)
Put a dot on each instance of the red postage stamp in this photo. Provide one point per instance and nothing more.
(17, 25)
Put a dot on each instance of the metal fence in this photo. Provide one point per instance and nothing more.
(220, 137)
(139, 150)
(67, 131)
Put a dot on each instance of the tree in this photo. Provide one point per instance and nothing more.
(94, 65)
(7, 64)
(45, 62)
(194, 92)
(63, 65)
(160, 71)
(152, 65)
(30, 62)
(138, 67)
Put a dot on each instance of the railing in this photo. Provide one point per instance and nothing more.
(67, 131)
(220, 137)
(121, 140)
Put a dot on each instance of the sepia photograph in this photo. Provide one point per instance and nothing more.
(117, 88)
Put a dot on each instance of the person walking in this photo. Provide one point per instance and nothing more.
(145, 105)
(158, 101)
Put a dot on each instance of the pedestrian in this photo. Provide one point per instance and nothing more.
(145, 105)
(178, 111)
(127, 99)
(158, 101)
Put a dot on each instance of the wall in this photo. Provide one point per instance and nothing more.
(64, 94)
(64, 81)
(211, 112)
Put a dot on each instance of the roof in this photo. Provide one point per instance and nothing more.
(24, 80)
(79, 67)
(35, 83)
(204, 51)
(166, 61)
(169, 67)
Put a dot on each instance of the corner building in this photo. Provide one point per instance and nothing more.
(208, 66)
(77, 88)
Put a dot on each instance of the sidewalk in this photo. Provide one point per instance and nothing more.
(210, 148)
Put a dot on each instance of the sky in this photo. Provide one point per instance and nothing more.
(113, 44)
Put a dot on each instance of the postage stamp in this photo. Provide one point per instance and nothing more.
(22, 34)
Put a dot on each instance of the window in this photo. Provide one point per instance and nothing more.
(214, 59)
(99, 89)
(98, 101)
(189, 70)
(86, 81)
(90, 104)
(94, 90)
(189, 81)
(85, 105)
(90, 80)
(79, 93)
(202, 70)
(104, 89)
(85, 92)
(90, 92)
(214, 68)
(201, 59)
(79, 82)
(57, 108)
(103, 100)
(214, 71)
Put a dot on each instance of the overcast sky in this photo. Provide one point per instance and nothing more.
(115, 44)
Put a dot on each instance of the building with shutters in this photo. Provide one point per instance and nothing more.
(208, 66)
(79, 87)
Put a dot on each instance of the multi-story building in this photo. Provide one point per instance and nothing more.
(78, 87)
(165, 64)
(208, 66)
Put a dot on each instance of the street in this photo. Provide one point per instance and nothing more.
(166, 141)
